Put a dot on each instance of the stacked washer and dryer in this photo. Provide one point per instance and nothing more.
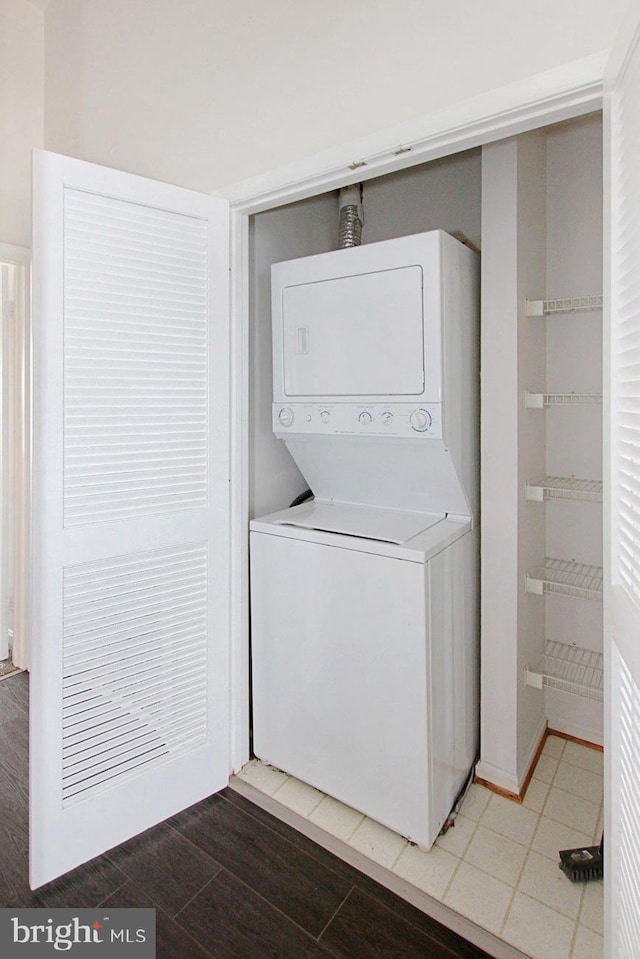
(364, 599)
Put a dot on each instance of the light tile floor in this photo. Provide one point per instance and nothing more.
(499, 865)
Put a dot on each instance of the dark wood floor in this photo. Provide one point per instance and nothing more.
(227, 879)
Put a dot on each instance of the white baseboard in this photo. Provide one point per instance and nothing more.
(498, 777)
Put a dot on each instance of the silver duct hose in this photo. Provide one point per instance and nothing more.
(350, 217)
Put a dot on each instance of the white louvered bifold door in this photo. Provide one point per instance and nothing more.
(129, 676)
(622, 582)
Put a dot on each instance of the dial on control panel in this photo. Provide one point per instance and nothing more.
(365, 417)
(286, 416)
(420, 420)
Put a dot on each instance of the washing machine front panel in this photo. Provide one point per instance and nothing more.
(339, 688)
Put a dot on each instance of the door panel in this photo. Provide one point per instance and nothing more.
(622, 553)
(129, 678)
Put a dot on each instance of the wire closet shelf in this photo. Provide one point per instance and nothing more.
(564, 488)
(570, 669)
(566, 578)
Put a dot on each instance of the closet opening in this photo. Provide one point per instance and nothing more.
(532, 206)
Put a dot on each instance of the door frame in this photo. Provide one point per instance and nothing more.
(20, 385)
(563, 93)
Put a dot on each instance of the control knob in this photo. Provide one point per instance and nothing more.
(365, 417)
(325, 416)
(420, 420)
(286, 416)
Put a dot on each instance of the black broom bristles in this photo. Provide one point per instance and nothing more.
(584, 863)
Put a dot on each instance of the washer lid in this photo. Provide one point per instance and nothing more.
(365, 522)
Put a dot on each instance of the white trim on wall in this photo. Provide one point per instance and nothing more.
(21, 364)
(559, 94)
(550, 97)
(239, 504)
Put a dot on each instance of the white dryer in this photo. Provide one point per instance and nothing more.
(364, 601)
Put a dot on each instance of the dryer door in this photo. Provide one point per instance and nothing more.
(355, 335)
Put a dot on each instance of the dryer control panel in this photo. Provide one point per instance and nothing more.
(371, 419)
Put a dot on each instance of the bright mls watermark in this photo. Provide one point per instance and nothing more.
(78, 932)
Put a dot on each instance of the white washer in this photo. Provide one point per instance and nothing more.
(364, 651)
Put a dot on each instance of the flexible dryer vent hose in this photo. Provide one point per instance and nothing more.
(350, 217)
